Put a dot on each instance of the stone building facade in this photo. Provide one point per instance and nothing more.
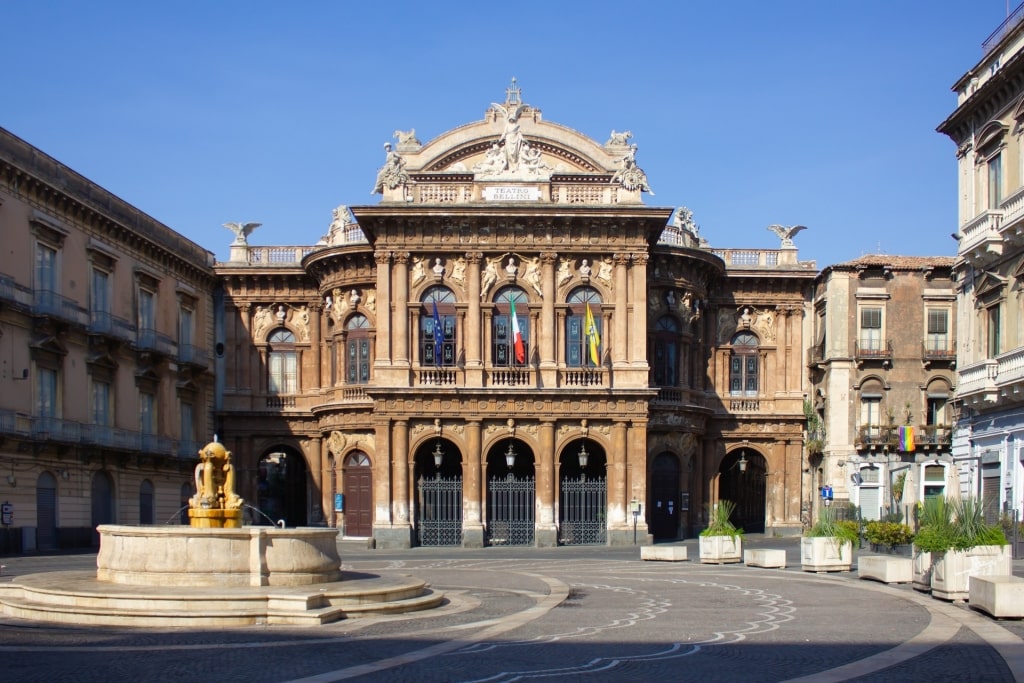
(986, 128)
(511, 347)
(882, 360)
(106, 336)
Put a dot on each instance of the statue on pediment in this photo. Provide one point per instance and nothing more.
(630, 176)
(392, 174)
(618, 139)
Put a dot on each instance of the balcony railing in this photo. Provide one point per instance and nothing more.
(511, 377)
(52, 304)
(16, 424)
(102, 322)
(188, 448)
(193, 355)
(933, 350)
(6, 288)
(925, 436)
(111, 437)
(280, 401)
(816, 353)
(979, 378)
(438, 377)
(582, 378)
(873, 350)
(156, 444)
(55, 429)
(150, 340)
(744, 405)
(872, 436)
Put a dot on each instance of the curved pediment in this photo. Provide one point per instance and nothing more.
(513, 154)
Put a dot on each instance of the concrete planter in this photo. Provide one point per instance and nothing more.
(825, 554)
(922, 569)
(721, 549)
(952, 569)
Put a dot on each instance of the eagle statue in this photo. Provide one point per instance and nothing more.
(242, 231)
(786, 233)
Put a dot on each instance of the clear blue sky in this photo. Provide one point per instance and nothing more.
(817, 112)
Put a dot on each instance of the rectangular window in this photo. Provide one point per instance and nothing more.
(99, 294)
(993, 330)
(147, 311)
(46, 269)
(995, 181)
(870, 414)
(871, 329)
(283, 373)
(147, 413)
(938, 329)
(187, 428)
(46, 392)
(101, 403)
(185, 327)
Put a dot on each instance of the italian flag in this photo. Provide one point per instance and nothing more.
(517, 335)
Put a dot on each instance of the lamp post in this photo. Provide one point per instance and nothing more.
(584, 458)
(510, 456)
(438, 457)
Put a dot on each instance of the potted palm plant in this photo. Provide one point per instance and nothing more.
(968, 547)
(828, 545)
(721, 542)
(935, 534)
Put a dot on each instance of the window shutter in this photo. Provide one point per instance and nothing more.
(938, 321)
(871, 318)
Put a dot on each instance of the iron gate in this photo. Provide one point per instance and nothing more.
(439, 511)
(510, 511)
(583, 512)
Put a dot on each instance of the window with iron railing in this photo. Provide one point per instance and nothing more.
(870, 329)
(937, 338)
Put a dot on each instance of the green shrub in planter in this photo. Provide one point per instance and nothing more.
(718, 520)
(956, 524)
(887, 534)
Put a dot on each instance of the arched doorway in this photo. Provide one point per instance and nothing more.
(583, 495)
(357, 475)
(281, 488)
(665, 500)
(438, 472)
(102, 503)
(46, 512)
(741, 480)
(511, 494)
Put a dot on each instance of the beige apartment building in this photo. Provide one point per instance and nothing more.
(106, 384)
(882, 366)
(986, 129)
(374, 380)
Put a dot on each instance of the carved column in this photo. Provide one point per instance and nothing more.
(242, 344)
(382, 474)
(383, 353)
(314, 452)
(636, 472)
(473, 315)
(545, 330)
(618, 495)
(315, 345)
(400, 469)
(401, 309)
(639, 324)
(472, 505)
(547, 533)
(620, 340)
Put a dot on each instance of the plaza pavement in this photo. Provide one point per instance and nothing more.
(570, 614)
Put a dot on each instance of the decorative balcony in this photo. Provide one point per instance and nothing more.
(873, 351)
(936, 352)
(438, 377)
(155, 444)
(977, 382)
(150, 340)
(111, 437)
(55, 429)
(107, 325)
(279, 401)
(580, 377)
(511, 377)
(190, 354)
(816, 354)
(53, 305)
(980, 241)
(15, 424)
(929, 437)
(875, 438)
(6, 288)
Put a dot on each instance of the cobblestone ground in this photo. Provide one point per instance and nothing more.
(584, 614)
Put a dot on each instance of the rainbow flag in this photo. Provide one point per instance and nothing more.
(905, 436)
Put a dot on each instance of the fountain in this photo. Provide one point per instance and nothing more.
(213, 572)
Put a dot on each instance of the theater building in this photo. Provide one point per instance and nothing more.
(511, 346)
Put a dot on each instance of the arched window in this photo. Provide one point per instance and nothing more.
(437, 327)
(357, 350)
(583, 328)
(743, 365)
(503, 337)
(666, 352)
(283, 362)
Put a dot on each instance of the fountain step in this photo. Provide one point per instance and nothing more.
(78, 598)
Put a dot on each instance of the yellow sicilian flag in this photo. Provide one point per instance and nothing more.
(593, 338)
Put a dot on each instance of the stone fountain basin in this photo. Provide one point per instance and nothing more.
(187, 556)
